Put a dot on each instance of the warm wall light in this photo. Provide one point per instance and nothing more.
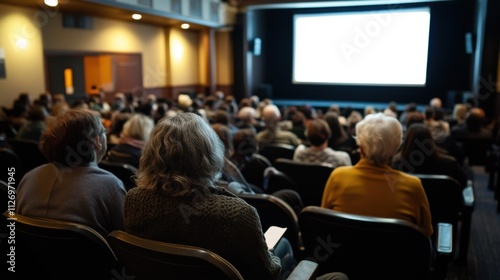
(177, 50)
(185, 25)
(21, 43)
(68, 81)
(137, 16)
(51, 3)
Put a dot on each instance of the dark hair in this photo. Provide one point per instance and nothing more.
(69, 137)
(418, 137)
(338, 133)
(245, 142)
(318, 132)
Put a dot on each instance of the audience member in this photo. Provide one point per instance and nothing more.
(71, 187)
(473, 127)
(458, 115)
(33, 129)
(440, 129)
(273, 133)
(176, 200)
(353, 118)
(318, 133)
(118, 119)
(246, 119)
(419, 154)
(135, 132)
(409, 108)
(340, 139)
(372, 187)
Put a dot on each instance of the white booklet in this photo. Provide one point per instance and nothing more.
(273, 235)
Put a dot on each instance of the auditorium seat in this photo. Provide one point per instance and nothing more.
(149, 259)
(60, 250)
(365, 247)
(308, 178)
(275, 151)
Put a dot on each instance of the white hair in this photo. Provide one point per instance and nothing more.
(379, 137)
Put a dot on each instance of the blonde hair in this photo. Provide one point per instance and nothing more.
(138, 127)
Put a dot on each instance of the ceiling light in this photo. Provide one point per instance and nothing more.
(185, 25)
(137, 16)
(51, 3)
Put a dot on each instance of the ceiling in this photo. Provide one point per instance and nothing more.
(99, 10)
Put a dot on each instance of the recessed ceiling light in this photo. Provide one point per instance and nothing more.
(137, 16)
(51, 3)
(185, 25)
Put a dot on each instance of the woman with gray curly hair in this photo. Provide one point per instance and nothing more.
(176, 199)
(372, 187)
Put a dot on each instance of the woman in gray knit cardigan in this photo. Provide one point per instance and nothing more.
(176, 200)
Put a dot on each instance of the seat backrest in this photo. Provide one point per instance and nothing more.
(444, 194)
(275, 151)
(28, 152)
(150, 259)
(53, 249)
(475, 149)
(275, 212)
(253, 171)
(119, 157)
(364, 247)
(123, 171)
(309, 178)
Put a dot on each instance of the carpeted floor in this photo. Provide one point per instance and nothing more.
(484, 248)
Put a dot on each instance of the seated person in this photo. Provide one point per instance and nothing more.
(273, 134)
(71, 187)
(318, 132)
(33, 129)
(340, 139)
(232, 179)
(372, 187)
(176, 199)
(135, 132)
(421, 155)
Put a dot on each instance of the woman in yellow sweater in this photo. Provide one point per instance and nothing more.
(372, 187)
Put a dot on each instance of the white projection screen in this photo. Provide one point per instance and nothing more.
(383, 47)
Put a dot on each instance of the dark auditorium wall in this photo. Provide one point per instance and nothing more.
(449, 66)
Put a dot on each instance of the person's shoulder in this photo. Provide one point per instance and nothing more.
(409, 178)
(229, 204)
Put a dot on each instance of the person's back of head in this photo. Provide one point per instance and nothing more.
(247, 115)
(138, 127)
(418, 138)
(318, 132)
(460, 113)
(271, 115)
(225, 136)
(182, 154)
(413, 118)
(37, 113)
(337, 130)
(222, 117)
(58, 108)
(429, 112)
(475, 119)
(75, 137)
(436, 102)
(379, 138)
(245, 143)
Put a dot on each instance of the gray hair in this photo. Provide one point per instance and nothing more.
(380, 137)
(183, 154)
